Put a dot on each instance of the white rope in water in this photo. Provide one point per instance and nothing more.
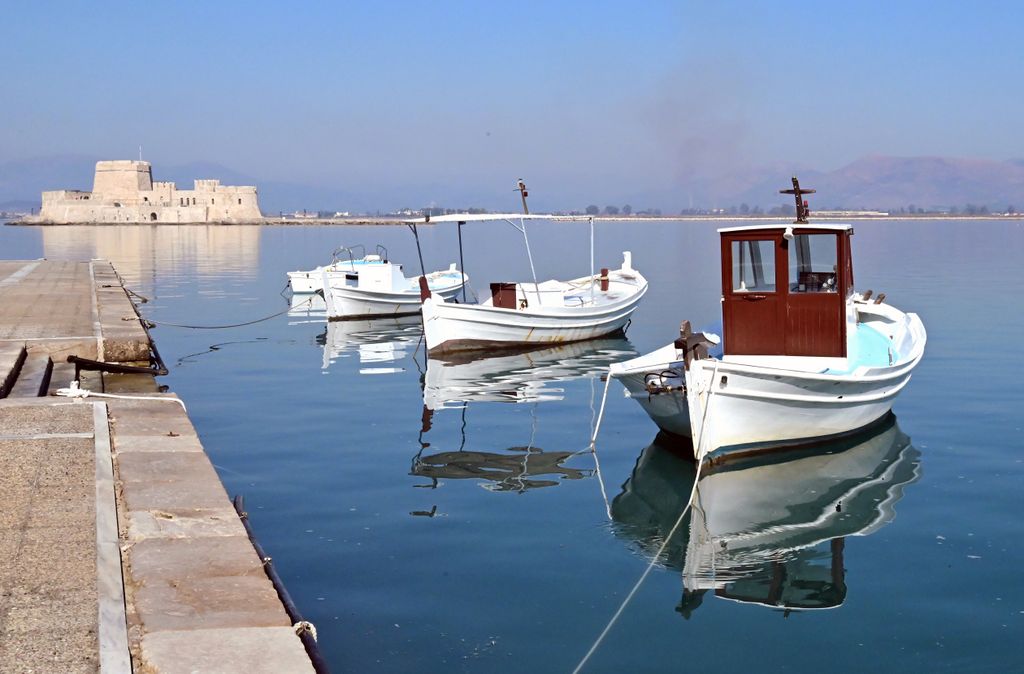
(593, 448)
(639, 582)
(664, 544)
(600, 413)
(74, 391)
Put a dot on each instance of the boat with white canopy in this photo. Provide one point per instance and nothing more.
(804, 356)
(519, 314)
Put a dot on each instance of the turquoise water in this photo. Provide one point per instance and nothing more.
(476, 537)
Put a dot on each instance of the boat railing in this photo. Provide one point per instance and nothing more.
(349, 251)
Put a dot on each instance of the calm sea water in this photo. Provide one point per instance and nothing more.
(422, 532)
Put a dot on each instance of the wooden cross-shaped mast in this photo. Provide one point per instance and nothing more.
(802, 211)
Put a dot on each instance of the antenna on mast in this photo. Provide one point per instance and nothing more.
(140, 153)
(523, 193)
(802, 211)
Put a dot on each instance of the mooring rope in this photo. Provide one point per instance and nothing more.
(232, 325)
(665, 542)
(593, 446)
(643, 577)
(74, 391)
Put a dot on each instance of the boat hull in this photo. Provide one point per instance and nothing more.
(449, 327)
(305, 282)
(731, 408)
(346, 302)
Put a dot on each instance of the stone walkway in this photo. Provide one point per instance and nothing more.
(119, 548)
(48, 604)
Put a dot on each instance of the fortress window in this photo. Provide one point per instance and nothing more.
(212, 200)
(239, 202)
(146, 199)
(193, 201)
(152, 216)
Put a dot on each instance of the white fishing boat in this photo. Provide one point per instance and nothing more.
(380, 288)
(768, 530)
(343, 259)
(531, 313)
(804, 356)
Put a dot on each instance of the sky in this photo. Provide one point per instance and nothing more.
(602, 102)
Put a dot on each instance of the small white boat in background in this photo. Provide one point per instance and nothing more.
(378, 288)
(804, 357)
(343, 259)
(534, 314)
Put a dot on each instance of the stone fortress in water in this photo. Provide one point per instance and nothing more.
(124, 192)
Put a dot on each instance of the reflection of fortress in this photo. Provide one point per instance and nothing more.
(124, 191)
(210, 251)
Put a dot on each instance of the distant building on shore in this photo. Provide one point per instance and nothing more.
(124, 192)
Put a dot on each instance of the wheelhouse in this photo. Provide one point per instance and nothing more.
(784, 289)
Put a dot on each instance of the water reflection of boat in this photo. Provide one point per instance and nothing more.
(516, 469)
(768, 530)
(376, 342)
(309, 306)
(518, 377)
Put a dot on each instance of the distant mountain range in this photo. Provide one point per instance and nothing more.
(875, 182)
(891, 183)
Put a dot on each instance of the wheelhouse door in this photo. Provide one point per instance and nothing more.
(816, 293)
(753, 293)
(785, 296)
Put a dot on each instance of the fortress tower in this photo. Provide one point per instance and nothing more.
(122, 178)
(124, 192)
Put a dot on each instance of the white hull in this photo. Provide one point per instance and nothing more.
(752, 403)
(306, 282)
(449, 327)
(350, 301)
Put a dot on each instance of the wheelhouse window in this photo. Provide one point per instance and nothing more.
(753, 266)
(813, 263)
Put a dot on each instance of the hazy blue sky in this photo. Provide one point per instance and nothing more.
(610, 98)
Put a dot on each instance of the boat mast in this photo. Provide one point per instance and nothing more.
(462, 265)
(416, 235)
(523, 193)
(592, 279)
(521, 186)
(802, 211)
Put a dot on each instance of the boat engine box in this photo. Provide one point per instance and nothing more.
(503, 295)
(377, 276)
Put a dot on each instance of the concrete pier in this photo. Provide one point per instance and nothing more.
(119, 548)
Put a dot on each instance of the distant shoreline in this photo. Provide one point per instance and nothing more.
(372, 221)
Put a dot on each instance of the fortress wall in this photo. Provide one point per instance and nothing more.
(124, 192)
